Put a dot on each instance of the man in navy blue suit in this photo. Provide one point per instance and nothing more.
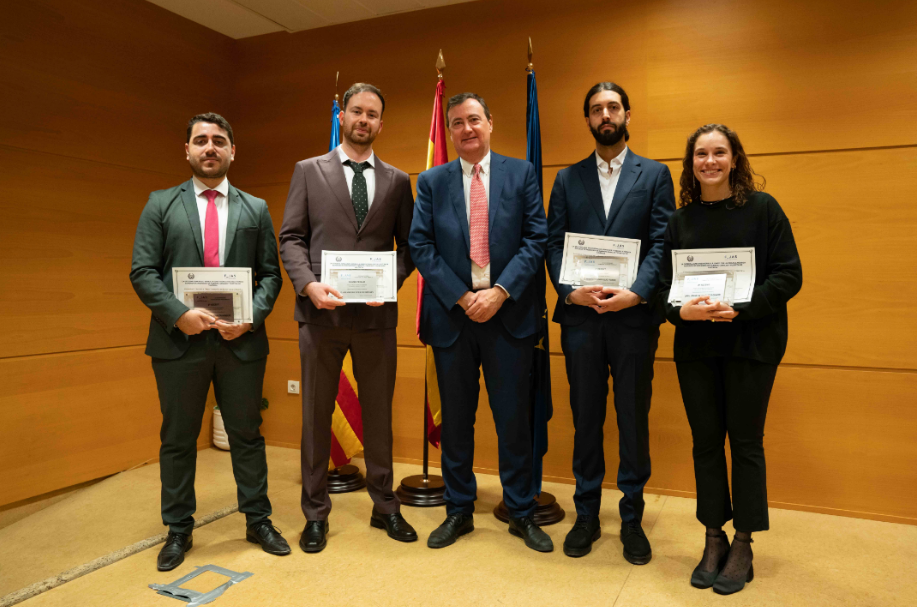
(613, 192)
(478, 238)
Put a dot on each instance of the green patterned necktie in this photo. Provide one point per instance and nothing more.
(358, 192)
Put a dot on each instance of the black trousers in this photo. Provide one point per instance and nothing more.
(507, 364)
(183, 384)
(601, 344)
(726, 395)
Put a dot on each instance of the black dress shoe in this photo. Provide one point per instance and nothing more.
(397, 528)
(269, 537)
(452, 528)
(173, 553)
(314, 536)
(637, 549)
(586, 530)
(534, 537)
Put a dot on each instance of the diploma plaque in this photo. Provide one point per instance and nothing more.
(361, 276)
(225, 293)
(726, 275)
(599, 260)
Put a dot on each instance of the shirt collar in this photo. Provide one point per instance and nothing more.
(344, 157)
(200, 188)
(468, 167)
(615, 163)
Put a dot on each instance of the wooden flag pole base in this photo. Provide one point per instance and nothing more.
(345, 479)
(547, 510)
(422, 492)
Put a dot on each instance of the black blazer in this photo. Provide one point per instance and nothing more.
(644, 200)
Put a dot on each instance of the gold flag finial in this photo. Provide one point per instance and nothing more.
(530, 67)
(336, 79)
(440, 64)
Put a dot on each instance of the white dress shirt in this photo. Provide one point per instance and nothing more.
(369, 173)
(480, 277)
(222, 205)
(609, 173)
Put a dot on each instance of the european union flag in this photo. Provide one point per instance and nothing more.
(542, 407)
(336, 127)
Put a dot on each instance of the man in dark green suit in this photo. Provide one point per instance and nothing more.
(207, 222)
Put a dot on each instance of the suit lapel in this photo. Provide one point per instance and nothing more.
(232, 222)
(457, 190)
(383, 174)
(333, 172)
(589, 175)
(497, 176)
(630, 171)
(194, 218)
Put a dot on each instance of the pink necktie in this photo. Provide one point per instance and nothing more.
(211, 232)
(480, 247)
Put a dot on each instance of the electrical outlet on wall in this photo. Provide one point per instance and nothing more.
(293, 387)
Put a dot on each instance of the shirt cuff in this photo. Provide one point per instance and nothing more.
(508, 296)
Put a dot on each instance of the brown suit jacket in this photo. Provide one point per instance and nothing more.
(319, 215)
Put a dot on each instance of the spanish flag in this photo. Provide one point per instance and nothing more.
(347, 421)
(436, 155)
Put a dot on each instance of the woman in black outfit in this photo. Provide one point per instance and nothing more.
(727, 356)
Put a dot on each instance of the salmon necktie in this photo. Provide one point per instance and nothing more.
(480, 247)
(211, 232)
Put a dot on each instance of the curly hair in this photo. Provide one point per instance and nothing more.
(741, 178)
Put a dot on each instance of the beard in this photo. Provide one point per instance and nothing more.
(353, 136)
(216, 172)
(609, 139)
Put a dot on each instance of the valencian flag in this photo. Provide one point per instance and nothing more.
(542, 407)
(436, 155)
(347, 420)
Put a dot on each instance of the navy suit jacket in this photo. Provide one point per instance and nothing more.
(441, 246)
(643, 201)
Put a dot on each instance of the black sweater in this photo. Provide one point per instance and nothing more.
(759, 332)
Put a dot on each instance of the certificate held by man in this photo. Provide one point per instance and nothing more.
(599, 260)
(361, 276)
(225, 293)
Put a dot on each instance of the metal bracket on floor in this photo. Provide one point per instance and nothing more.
(193, 597)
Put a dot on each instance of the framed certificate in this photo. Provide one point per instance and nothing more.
(223, 292)
(721, 274)
(599, 260)
(361, 276)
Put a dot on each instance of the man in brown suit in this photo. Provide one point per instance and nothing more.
(347, 200)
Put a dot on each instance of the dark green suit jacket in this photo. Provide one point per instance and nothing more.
(169, 234)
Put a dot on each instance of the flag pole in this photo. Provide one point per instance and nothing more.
(547, 510)
(346, 478)
(424, 490)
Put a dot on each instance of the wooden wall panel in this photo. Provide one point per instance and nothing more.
(65, 249)
(781, 72)
(73, 417)
(112, 81)
(787, 81)
(96, 97)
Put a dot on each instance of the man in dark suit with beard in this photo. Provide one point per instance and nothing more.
(613, 192)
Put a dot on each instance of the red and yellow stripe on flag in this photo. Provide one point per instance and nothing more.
(347, 421)
(436, 155)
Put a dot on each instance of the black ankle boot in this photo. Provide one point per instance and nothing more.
(738, 569)
(716, 552)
